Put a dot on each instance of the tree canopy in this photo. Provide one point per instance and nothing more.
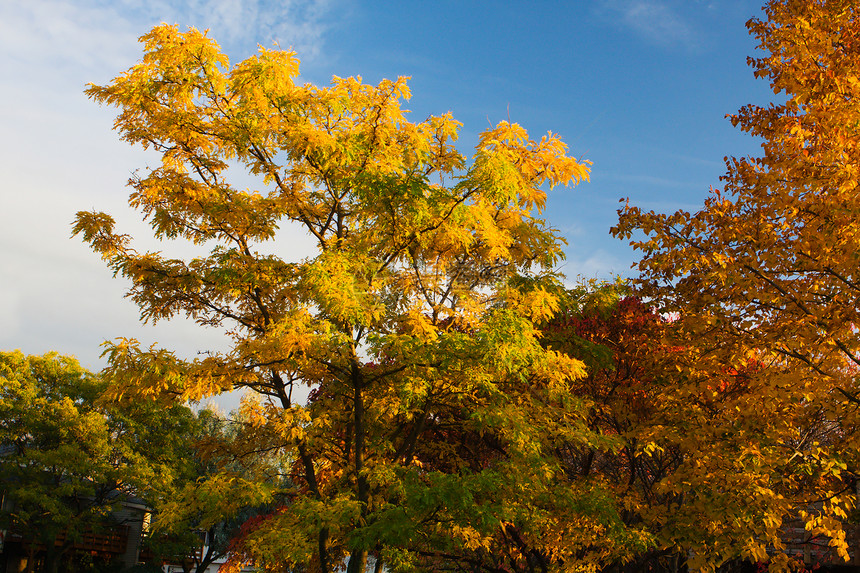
(465, 410)
(68, 461)
(414, 323)
(196, 522)
(766, 271)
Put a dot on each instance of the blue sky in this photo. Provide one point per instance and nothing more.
(639, 87)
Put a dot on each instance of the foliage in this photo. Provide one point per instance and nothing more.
(415, 322)
(767, 270)
(68, 461)
(196, 523)
(688, 460)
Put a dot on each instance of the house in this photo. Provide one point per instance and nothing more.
(116, 545)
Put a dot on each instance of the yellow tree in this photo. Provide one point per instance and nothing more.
(768, 268)
(406, 322)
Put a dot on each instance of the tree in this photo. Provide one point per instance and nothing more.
(407, 323)
(688, 457)
(67, 461)
(622, 342)
(197, 521)
(768, 268)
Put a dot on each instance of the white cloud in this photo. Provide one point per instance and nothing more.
(297, 23)
(657, 21)
(97, 34)
(598, 264)
(10, 304)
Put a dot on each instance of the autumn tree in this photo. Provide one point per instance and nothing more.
(685, 458)
(408, 320)
(681, 464)
(768, 268)
(623, 343)
(197, 521)
(67, 462)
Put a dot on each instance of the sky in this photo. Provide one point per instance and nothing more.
(640, 88)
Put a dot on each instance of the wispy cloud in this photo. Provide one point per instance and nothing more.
(659, 22)
(601, 265)
(101, 33)
(301, 24)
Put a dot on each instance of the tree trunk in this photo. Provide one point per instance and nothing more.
(52, 561)
(358, 558)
